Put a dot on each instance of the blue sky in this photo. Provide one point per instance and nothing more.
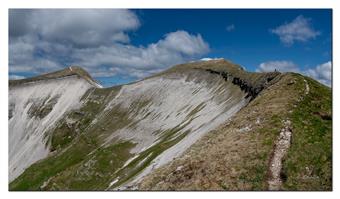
(120, 46)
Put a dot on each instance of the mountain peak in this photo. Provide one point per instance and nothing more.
(69, 71)
(219, 65)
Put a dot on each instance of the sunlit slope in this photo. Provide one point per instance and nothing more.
(246, 153)
(120, 137)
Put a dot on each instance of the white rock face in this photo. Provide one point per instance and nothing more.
(195, 104)
(27, 133)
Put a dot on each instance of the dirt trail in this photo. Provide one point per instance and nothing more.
(281, 147)
(307, 87)
(280, 150)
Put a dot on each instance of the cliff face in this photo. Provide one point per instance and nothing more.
(91, 138)
(247, 85)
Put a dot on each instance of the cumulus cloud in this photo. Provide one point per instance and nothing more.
(184, 43)
(14, 77)
(230, 28)
(281, 65)
(174, 48)
(322, 73)
(300, 29)
(79, 27)
(97, 40)
(25, 56)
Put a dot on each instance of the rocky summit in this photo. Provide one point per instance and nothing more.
(205, 125)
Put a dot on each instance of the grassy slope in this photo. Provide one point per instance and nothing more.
(224, 159)
(308, 165)
(231, 159)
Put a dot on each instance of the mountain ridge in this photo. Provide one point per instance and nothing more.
(124, 136)
(69, 71)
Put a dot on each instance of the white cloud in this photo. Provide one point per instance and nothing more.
(98, 40)
(24, 57)
(209, 59)
(300, 29)
(281, 65)
(183, 42)
(79, 27)
(230, 28)
(14, 77)
(176, 47)
(322, 73)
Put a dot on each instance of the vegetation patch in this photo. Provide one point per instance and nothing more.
(41, 108)
(34, 177)
(308, 165)
(145, 158)
(95, 172)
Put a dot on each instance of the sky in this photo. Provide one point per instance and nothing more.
(122, 46)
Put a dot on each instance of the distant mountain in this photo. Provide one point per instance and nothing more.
(206, 125)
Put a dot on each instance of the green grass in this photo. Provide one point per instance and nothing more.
(254, 169)
(96, 171)
(308, 165)
(38, 173)
(68, 171)
(62, 136)
(197, 109)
